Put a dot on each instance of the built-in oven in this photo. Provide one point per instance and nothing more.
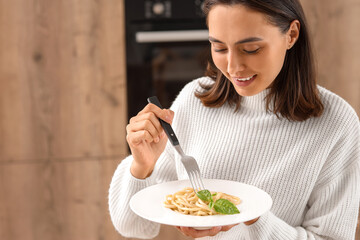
(166, 47)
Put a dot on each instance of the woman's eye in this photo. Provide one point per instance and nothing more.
(252, 52)
(219, 50)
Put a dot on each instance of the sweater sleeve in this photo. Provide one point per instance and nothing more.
(123, 186)
(334, 203)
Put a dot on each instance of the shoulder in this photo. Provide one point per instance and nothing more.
(337, 110)
(341, 129)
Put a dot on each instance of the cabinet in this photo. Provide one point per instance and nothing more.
(62, 117)
(63, 108)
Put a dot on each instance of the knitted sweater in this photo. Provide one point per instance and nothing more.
(311, 169)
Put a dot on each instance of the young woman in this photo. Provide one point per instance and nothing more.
(257, 118)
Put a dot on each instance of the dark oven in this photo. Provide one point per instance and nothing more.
(166, 47)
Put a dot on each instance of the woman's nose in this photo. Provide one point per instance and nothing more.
(236, 64)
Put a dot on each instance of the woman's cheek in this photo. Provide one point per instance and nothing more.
(220, 62)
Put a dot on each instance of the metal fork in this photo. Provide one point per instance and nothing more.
(189, 162)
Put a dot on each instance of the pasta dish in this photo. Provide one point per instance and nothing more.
(203, 203)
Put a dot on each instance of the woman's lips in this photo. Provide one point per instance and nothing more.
(243, 82)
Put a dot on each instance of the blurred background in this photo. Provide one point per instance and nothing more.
(67, 89)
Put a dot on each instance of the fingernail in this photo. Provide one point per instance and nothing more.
(156, 139)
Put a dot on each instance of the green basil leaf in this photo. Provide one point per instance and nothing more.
(225, 207)
(204, 195)
(211, 204)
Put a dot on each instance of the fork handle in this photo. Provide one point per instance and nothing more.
(167, 127)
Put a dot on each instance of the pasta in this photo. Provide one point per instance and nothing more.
(187, 202)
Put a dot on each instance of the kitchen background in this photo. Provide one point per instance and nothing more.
(63, 108)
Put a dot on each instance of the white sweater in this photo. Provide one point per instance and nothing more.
(311, 169)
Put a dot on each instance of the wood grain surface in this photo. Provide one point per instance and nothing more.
(63, 108)
(335, 28)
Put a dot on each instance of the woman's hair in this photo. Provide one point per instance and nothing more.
(293, 93)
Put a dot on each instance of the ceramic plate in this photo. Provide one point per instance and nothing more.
(149, 204)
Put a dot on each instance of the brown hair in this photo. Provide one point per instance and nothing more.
(294, 92)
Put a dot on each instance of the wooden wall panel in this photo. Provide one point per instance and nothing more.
(63, 108)
(56, 200)
(62, 117)
(15, 98)
(63, 71)
(335, 28)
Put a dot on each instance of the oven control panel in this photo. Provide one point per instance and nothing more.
(156, 9)
(163, 15)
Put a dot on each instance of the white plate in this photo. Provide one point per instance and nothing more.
(149, 204)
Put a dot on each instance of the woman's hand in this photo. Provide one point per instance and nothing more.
(194, 233)
(147, 139)
(248, 223)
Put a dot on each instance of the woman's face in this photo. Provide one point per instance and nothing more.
(246, 48)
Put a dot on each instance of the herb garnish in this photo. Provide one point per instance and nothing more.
(222, 206)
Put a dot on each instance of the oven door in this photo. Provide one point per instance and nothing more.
(161, 63)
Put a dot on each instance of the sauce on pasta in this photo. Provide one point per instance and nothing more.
(187, 202)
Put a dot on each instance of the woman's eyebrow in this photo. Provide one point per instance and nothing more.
(246, 40)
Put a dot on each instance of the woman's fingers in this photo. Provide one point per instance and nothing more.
(192, 232)
(143, 130)
(152, 126)
(147, 120)
(248, 223)
(135, 138)
(164, 114)
(228, 227)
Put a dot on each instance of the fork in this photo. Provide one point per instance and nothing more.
(189, 162)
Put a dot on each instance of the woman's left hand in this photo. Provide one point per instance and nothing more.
(192, 232)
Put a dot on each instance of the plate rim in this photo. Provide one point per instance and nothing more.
(199, 219)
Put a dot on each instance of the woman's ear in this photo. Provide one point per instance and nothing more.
(293, 33)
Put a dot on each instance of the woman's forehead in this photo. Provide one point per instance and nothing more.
(239, 22)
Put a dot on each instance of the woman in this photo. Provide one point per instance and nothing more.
(258, 118)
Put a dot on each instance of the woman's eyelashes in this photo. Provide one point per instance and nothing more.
(244, 50)
(252, 51)
(219, 50)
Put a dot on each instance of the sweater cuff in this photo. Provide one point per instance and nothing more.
(137, 183)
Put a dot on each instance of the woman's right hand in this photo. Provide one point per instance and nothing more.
(147, 139)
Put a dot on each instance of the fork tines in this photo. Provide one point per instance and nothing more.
(196, 181)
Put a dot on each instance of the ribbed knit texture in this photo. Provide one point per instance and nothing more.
(311, 169)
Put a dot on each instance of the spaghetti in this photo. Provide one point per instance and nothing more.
(187, 202)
